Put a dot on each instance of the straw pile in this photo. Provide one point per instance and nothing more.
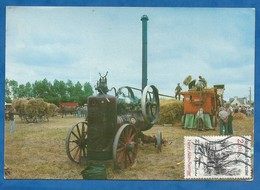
(33, 107)
(36, 107)
(239, 115)
(52, 109)
(170, 111)
(187, 80)
(19, 105)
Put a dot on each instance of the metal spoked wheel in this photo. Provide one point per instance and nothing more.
(42, 117)
(76, 142)
(150, 105)
(125, 147)
(31, 119)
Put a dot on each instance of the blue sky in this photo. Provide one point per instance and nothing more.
(77, 43)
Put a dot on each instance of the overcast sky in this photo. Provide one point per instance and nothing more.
(77, 43)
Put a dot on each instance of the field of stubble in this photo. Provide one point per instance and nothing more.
(37, 151)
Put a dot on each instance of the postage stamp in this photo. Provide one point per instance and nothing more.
(217, 157)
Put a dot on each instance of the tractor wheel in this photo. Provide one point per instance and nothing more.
(76, 142)
(31, 119)
(125, 147)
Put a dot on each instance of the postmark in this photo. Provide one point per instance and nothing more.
(217, 157)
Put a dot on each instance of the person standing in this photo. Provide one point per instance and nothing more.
(223, 119)
(230, 119)
(177, 91)
(12, 123)
(203, 81)
(78, 111)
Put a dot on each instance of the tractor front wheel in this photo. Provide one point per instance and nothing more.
(125, 147)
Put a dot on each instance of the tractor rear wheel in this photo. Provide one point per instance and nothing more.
(76, 142)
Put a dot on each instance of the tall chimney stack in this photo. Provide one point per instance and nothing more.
(144, 20)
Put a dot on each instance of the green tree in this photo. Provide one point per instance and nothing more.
(42, 89)
(78, 94)
(59, 92)
(70, 89)
(28, 89)
(88, 90)
(55, 93)
(13, 88)
(21, 91)
(7, 92)
(25, 91)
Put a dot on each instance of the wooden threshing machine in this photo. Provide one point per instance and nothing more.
(114, 126)
(201, 106)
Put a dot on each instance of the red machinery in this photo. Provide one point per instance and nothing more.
(68, 107)
(201, 107)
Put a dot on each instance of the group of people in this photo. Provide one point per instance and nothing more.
(225, 114)
(245, 109)
(82, 111)
(200, 84)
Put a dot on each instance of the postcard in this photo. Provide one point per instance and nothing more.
(129, 94)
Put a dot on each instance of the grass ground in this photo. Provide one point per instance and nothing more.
(37, 151)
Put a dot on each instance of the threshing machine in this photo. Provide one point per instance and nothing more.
(201, 106)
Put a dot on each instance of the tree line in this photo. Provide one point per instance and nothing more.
(52, 92)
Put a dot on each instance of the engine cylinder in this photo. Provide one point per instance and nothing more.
(135, 118)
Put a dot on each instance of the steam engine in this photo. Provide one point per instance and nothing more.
(114, 125)
(106, 115)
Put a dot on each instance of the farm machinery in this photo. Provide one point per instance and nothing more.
(114, 125)
(68, 108)
(201, 105)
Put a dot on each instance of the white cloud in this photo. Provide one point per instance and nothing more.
(78, 43)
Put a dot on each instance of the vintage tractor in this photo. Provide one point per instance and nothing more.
(114, 126)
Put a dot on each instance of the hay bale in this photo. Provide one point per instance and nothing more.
(36, 107)
(170, 111)
(52, 109)
(239, 116)
(187, 80)
(19, 105)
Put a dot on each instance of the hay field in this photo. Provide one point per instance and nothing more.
(37, 151)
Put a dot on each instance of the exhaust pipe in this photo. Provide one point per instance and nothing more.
(144, 20)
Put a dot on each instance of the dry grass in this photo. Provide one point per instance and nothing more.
(170, 111)
(37, 151)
